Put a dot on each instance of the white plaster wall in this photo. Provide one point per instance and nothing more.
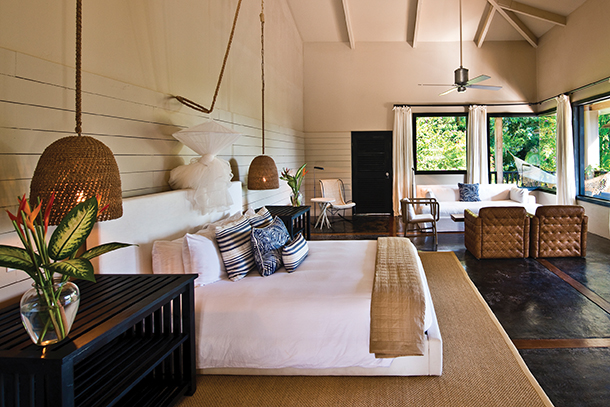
(355, 89)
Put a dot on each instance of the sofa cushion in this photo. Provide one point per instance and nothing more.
(519, 195)
(469, 192)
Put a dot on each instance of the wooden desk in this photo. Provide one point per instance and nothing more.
(296, 219)
(132, 343)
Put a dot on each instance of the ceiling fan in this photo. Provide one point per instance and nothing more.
(461, 81)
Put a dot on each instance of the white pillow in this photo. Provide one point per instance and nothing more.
(430, 194)
(221, 222)
(200, 256)
(167, 257)
(211, 234)
(519, 194)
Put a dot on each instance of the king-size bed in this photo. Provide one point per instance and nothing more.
(315, 320)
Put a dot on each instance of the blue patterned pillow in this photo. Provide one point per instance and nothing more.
(469, 192)
(267, 245)
(294, 253)
(235, 247)
(261, 219)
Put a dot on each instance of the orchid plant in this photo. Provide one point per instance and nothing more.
(294, 182)
(42, 261)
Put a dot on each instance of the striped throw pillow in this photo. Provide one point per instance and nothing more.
(267, 245)
(294, 253)
(261, 219)
(236, 249)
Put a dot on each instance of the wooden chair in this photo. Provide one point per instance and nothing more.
(425, 223)
(334, 189)
(559, 231)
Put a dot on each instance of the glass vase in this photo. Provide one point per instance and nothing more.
(296, 199)
(47, 312)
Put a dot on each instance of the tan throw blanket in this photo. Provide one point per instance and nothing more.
(398, 302)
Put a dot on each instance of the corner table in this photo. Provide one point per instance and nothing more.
(323, 217)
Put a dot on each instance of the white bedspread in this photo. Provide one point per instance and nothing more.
(316, 317)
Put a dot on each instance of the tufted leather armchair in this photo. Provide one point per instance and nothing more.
(559, 231)
(497, 232)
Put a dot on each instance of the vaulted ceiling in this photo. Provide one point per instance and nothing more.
(415, 21)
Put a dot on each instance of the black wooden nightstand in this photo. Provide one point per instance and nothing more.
(132, 343)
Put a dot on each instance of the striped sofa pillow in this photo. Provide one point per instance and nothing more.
(236, 249)
(294, 253)
(261, 219)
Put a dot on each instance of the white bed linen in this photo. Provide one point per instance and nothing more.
(317, 317)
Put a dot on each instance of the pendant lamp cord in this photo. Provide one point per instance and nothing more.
(79, 34)
(197, 106)
(262, 17)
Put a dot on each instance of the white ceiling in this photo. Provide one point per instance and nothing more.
(414, 21)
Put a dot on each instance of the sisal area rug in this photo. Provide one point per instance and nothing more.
(481, 367)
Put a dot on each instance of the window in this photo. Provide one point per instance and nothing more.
(440, 143)
(525, 152)
(594, 118)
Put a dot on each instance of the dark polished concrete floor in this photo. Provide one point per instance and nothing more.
(562, 332)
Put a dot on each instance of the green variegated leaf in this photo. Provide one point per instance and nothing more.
(77, 268)
(73, 230)
(17, 258)
(105, 248)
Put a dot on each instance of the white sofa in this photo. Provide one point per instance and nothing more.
(448, 197)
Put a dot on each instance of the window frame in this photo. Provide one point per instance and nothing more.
(532, 114)
(578, 123)
(436, 172)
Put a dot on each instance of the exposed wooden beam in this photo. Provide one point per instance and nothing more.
(484, 24)
(418, 4)
(534, 12)
(517, 24)
(348, 25)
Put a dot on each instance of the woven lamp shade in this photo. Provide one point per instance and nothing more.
(263, 174)
(77, 168)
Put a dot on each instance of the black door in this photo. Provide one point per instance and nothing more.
(372, 172)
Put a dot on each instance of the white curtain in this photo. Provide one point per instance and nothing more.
(208, 176)
(566, 176)
(402, 156)
(477, 168)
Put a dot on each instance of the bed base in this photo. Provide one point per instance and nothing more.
(430, 364)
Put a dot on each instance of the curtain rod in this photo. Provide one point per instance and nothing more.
(588, 85)
(463, 105)
(606, 79)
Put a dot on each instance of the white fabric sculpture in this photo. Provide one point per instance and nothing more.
(208, 176)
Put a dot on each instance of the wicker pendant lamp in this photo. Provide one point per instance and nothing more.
(79, 167)
(262, 173)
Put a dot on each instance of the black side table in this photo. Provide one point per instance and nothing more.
(132, 344)
(296, 219)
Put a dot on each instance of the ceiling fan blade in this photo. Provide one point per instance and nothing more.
(436, 84)
(448, 91)
(486, 87)
(478, 79)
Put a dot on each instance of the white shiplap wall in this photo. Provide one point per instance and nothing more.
(154, 50)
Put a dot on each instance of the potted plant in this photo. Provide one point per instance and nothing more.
(49, 307)
(294, 182)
